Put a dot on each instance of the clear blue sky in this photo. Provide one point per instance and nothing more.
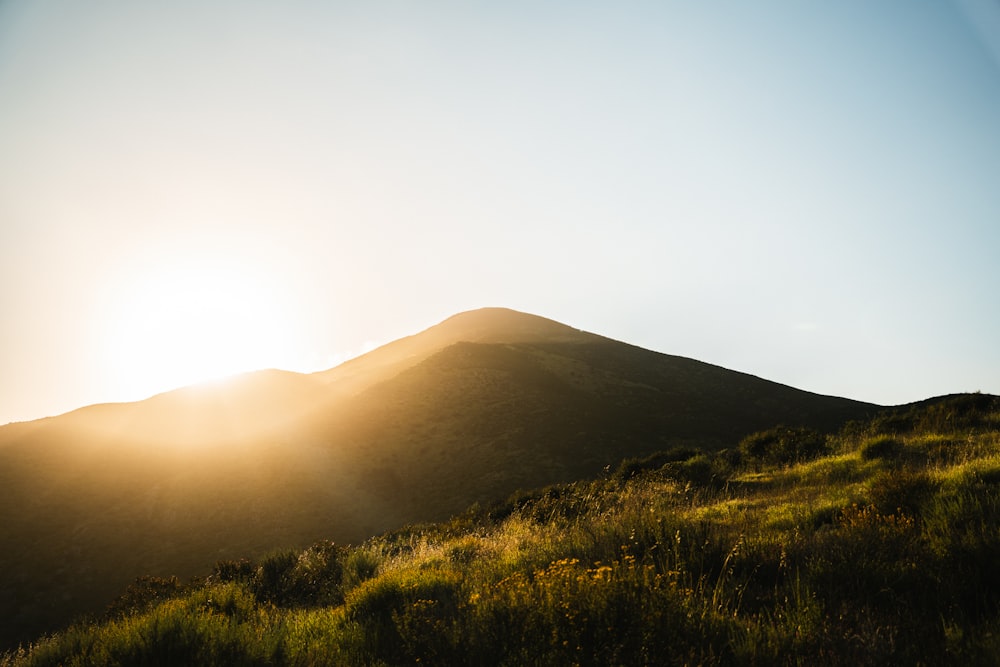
(805, 191)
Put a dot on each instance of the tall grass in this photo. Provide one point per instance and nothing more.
(884, 552)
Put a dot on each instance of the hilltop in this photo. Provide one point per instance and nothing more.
(471, 410)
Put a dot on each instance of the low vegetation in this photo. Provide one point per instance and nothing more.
(875, 546)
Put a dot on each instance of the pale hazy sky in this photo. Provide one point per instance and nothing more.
(805, 191)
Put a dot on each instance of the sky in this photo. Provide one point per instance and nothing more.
(805, 191)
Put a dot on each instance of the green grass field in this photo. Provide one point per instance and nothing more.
(876, 546)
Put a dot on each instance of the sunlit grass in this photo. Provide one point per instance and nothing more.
(884, 553)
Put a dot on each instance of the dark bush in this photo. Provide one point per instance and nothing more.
(884, 448)
(729, 459)
(698, 471)
(634, 466)
(143, 594)
(783, 445)
(558, 501)
(233, 570)
(313, 577)
(274, 576)
(404, 617)
(318, 576)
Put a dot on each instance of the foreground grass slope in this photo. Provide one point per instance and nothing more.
(875, 546)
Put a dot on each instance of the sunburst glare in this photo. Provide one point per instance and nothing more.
(187, 324)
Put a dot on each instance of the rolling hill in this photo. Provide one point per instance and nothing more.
(483, 404)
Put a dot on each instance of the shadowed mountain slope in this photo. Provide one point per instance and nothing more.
(486, 325)
(481, 405)
(477, 420)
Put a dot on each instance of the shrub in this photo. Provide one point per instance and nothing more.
(317, 578)
(558, 501)
(143, 594)
(699, 470)
(273, 576)
(728, 461)
(405, 616)
(313, 577)
(631, 467)
(782, 445)
(233, 570)
(885, 447)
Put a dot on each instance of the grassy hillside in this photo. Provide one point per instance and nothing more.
(473, 409)
(877, 545)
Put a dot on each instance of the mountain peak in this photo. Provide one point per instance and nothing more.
(504, 325)
(484, 325)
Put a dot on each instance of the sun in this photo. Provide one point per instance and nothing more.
(186, 324)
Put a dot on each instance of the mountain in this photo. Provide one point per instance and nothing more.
(470, 410)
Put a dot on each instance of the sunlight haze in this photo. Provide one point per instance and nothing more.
(807, 192)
